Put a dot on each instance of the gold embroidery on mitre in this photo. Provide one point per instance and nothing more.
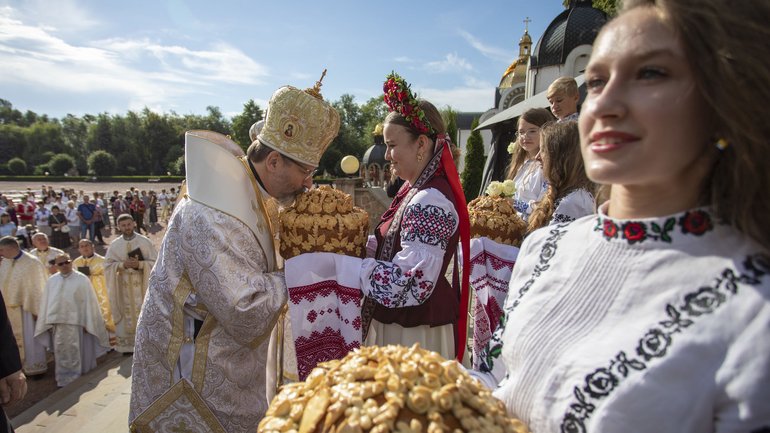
(300, 124)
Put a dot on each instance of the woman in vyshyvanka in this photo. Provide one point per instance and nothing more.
(407, 296)
(570, 194)
(526, 169)
(654, 315)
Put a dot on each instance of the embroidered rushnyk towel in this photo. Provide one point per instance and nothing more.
(491, 268)
(324, 309)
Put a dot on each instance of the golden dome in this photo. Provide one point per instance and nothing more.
(517, 71)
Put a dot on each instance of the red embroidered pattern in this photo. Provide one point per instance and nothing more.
(428, 224)
(320, 347)
(310, 292)
(496, 262)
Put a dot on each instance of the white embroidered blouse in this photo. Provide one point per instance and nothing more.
(530, 187)
(651, 325)
(577, 204)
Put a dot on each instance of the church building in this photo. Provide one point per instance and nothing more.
(562, 50)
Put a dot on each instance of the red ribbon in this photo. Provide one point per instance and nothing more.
(465, 236)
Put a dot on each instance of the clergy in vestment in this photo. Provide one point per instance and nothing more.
(127, 266)
(44, 252)
(70, 313)
(92, 265)
(218, 288)
(23, 277)
(12, 379)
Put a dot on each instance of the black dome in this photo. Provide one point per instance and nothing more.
(376, 153)
(576, 26)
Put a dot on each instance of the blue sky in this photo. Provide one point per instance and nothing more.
(93, 56)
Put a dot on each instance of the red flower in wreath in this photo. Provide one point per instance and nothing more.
(610, 229)
(399, 98)
(634, 232)
(696, 222)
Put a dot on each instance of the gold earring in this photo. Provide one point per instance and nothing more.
(419, 157)
(722, 144)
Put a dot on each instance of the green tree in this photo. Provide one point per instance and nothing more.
(128, 163)
(40, 170)
(17, 166)
(242, 123)
(177, 167)
(450, 120)
(75, 137)
(372, 113)
(42, 137)
(10, 115)
(474, 163)
(100, 135)
(13, 139)
(159, 135)
(352, 138)
(174, 153)
(102, 163)
(215, 121)
(61, 163)
(610, 7)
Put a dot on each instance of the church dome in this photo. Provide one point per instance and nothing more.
(375, 154)
(576, 26)
(517, 71)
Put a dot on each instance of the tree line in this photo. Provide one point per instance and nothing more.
(149, 143)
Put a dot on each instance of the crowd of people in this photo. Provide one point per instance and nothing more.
(66, 216)
(63, 300)
(640, 296)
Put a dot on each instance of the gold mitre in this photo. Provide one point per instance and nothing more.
(300, 124)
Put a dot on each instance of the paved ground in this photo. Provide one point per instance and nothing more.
(97, 402)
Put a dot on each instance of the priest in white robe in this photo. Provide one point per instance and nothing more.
(218, 290)
(44, 252)
(127, 267)
(70, 313)
(23, 277)
(92, 265)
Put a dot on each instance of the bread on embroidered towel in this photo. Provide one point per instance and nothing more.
(324, 307)
(491, 268)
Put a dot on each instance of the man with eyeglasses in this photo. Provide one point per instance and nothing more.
(70, 322)
(23, 277)
(218, 287)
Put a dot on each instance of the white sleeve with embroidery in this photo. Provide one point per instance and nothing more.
(428, 223)
(574, 205)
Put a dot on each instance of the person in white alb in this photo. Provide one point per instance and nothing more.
(127, 265)
(23, 277)
(218, 288)
(69, 318)
(44, 252)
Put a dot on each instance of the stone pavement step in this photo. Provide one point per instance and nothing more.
(95, 402)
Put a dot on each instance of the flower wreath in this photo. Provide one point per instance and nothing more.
(400, 99)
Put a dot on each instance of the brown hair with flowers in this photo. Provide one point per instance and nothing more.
(399, 98)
